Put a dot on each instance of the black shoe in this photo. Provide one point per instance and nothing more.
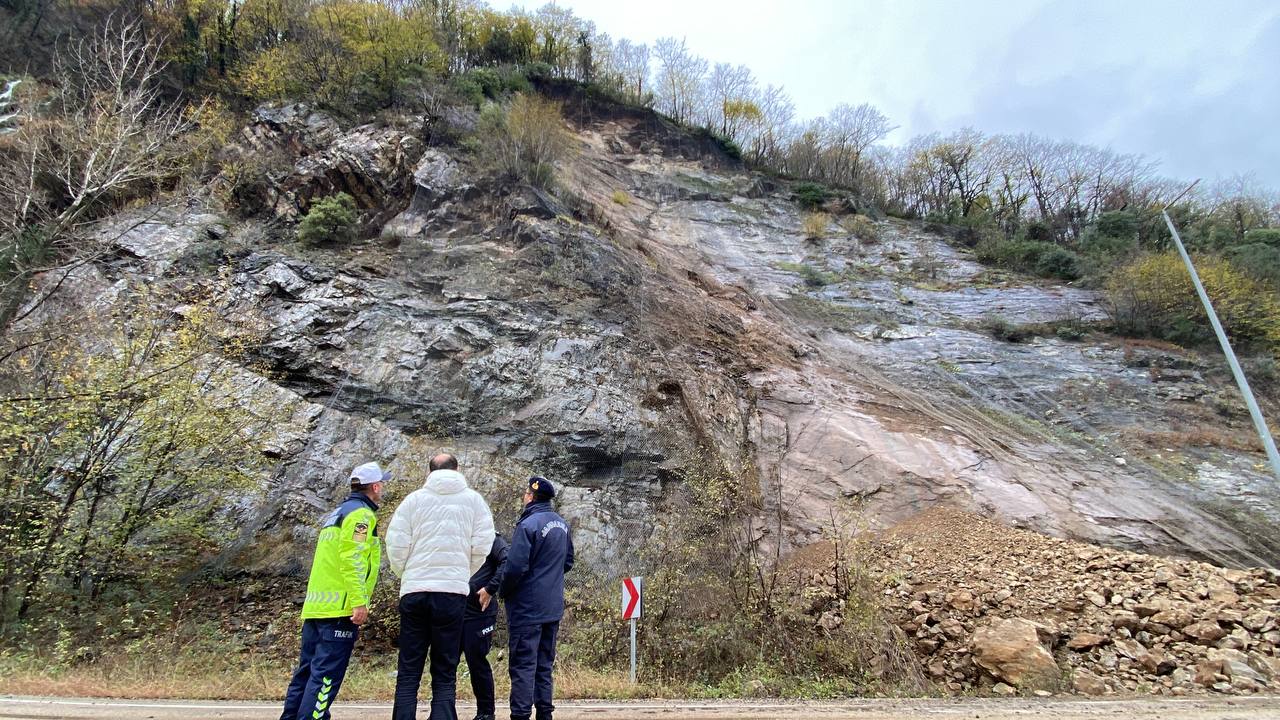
(484, 717)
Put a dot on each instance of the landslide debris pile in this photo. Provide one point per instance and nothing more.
(992, 608)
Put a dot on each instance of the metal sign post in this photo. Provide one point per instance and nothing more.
(1259, 422)
(631, 609)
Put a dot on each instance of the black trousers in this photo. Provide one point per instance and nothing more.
(477, 639)
(532, 657)
(430, 624)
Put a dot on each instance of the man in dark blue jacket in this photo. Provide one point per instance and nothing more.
(533, 587)
(479, 624)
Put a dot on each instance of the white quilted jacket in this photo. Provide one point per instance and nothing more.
(439, 535)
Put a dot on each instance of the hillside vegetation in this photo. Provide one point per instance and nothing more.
(243, 241)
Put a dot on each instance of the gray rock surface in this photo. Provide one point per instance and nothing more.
(613, 348)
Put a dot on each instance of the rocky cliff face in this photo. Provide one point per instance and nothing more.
(672, 312)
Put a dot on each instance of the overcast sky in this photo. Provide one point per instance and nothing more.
(1194, 85)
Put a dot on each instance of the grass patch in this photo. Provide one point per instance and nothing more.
(834, 316)
(164, 670)
(621, 197)
(1196, 437)
(814, 225)
(1069, 330)
(812, 276)
(861, 227)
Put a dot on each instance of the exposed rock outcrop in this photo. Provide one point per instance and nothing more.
(611, 344)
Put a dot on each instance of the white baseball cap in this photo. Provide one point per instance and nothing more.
(370, 473)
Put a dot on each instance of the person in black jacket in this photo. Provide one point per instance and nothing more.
(477, 628)
(541, 553)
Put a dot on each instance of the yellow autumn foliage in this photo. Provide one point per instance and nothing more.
(350, 42)
(1154, 295)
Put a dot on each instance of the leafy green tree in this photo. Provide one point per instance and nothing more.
(119, 437)
(330, 220)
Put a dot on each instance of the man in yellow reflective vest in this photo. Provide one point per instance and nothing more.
(343, 573)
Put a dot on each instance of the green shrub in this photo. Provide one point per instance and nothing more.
(1001, 329)
(810, 195)
(728, 146)
(538, 71)
(1039, 231)
(1013, 254)
(1108, 249)
(1112, 238)
(1058, 262)
(971, 230)
(1117, 224)
(1265, 236)
(494, 83)
(488, 79)
(468, 89)
(32, 247)
(1030, 256)
(330, 220)
(1260, 260)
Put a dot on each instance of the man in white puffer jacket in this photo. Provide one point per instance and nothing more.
(438, 537)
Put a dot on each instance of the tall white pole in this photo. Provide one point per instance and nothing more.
(1259, 423)
(633, 651)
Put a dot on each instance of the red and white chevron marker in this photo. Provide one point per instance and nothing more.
(631, 604)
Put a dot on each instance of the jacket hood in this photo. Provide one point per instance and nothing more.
(446, 482)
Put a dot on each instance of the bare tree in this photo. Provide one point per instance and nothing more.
(730, 91)
(107, 137)
(633, 63)
(850, 131)
(767, 137)
(1240, 203)
(963, 160)
(805, 150)
(679, 81)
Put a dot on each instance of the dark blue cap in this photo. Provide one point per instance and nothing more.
(541, 488)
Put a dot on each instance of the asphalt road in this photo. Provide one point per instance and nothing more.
(981, 709)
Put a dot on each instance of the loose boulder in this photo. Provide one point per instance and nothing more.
(1011, 651)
